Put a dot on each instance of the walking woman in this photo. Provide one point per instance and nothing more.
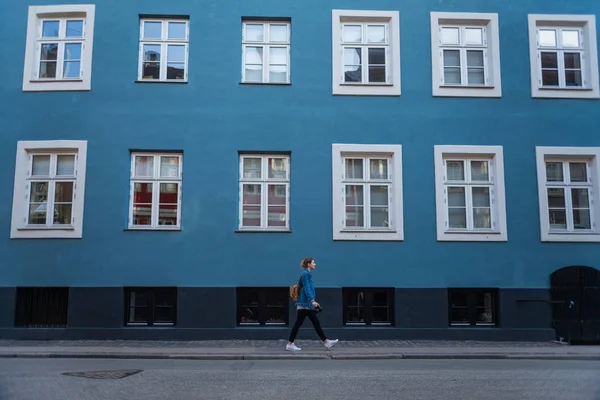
(307, 306)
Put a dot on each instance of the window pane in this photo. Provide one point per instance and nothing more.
(65, 165)
(39, 192)
(277, 303)
(152, 30)
(144, 166)
(277, 168)
(455, 170)
(476, 76)
(355, 302)
(252, 194)
(151, 70)
(74, 28)
(485, 308)
(168, 198)
(251, 216)
(38, 197)
(580, 198)
(376, 56)
(482, 218)
(456, 197)
(573, 78)
(254, 73)
(549, 78)
(352, 65)
(177, 30)
(549, 60)
(252, 168)
(40, 165)
(252, 197)
(277, 194)
(142, 204)
(581, 219)
(474, 36)
(62, 214)
(49, 52)
(352, 56)
(163, 315)
(573, 60)
(376, 33)
(377, 74)
(457, 218)
(63, 192)
(451, 58)
(278, 33)
(457, 212)
(459, 308)
(278, 73)
(175, 53)
(558, 219)
(169, 166)
(354, 195)
(50, 29)
(459, 299)
(254, 55)
(254, 32)
(556, 198)
(450, 35)
(452, 76)
(554, 172)
(379, 207)
(547, 37)
(475, 58)
(152, 61)
(142, 193)
(354, 168)
(379, 195)
(354, 206)
(277, 215)
(481, 197)
(278, 55)
(353, 73)
(570, 38)
(352, 34)
(480, 171)
(578, 172)
(378, 169)
(138, 314)
(167, 214)
(72, 69)
(47, 69)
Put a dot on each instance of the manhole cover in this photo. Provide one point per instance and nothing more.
(115, 374)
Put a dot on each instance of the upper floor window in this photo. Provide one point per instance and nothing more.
(266, 51)
(163, 50)
(470, 193)
(367, 192)
(58, 55)
(563, 56)
(366, 52)
(465, 54)
(264, 192)
(155, 199)
(50, 177)
(567, 183)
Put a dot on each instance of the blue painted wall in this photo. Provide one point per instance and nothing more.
(214, 116)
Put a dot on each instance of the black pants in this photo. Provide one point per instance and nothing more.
(312, 315)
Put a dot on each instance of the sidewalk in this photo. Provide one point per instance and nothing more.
(275, 350)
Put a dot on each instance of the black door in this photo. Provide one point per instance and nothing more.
(576, 303)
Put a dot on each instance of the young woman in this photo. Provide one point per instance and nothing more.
(307, 306)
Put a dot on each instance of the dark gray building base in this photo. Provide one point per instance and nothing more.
(210, 313)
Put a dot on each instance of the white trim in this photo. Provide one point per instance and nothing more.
(396, 232)
(590, 154)
(393, 88)
(30, 81)
(591, 87)
(493, 88)
(19, 228)
(495, 153)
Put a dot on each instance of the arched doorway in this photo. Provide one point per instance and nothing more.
(576, 304)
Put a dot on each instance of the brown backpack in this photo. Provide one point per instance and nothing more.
(294, 291)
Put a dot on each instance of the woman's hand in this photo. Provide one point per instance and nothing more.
(316, 305)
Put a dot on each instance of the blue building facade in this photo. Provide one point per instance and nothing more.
(438, 159)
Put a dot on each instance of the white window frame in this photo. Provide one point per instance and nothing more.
(393, 85)
(37, 14)
(493, 154)
(266, 44)
(586, 24)
(156, 180)
(491, 47)
(264, 181)
(590, 155)
(164, 43)
(21, 193)
(393, 153)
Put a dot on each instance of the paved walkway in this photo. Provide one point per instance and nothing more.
(274, 350)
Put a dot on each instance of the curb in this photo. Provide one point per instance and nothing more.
(332, 356)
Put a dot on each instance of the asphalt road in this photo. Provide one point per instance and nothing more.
(32, 379)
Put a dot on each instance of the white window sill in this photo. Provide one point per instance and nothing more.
(54, 80)
(356, 84)
(148, 229)
(566, 89)
(472, 236)
(56, 85)
(362, 89)
(47, 228)
(248, 230)
(266, 83)
(367, 231)
(563, 236)
(467, 91)
(468, 86)
(362, 235)
(159, 81)
(554, 92)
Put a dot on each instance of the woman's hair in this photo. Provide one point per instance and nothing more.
(305, 262)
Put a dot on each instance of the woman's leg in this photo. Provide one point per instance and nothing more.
(300, 315)
(312, 315)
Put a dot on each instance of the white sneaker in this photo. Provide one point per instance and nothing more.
(293, 347)
(330, 343)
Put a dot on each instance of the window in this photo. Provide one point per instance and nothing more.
(466, 55)
(366, 53)
(563, 56)
(367, 192)
(49, 189)
(473, 307)
(567, 185)
(155, 191)
(262, 306)
(163, 50)
(42, 307)
(368, 306)
(264, 192)
(470, 204)
(58, 55)
(266, 52)
(156, 306)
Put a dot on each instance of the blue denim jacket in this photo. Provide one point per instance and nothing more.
(306, 290)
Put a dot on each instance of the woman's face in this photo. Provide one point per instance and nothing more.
(312, 265)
